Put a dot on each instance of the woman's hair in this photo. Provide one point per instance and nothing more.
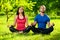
(18, 11)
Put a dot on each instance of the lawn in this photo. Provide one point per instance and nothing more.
(5, 34)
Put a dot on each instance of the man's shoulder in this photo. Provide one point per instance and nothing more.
(37, 14)
(46, 15)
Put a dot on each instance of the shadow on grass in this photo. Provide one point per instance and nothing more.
(17, 34)
(6, 36)
(56, 37)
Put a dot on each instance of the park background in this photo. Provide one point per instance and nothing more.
(8, 9)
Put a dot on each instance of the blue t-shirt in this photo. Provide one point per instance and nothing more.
(42, 20)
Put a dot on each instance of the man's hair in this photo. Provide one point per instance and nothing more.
(43, 6)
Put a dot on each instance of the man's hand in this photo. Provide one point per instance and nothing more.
(50, 24)
(34, 23)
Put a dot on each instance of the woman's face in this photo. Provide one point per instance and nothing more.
(42, 9)
(21, 10)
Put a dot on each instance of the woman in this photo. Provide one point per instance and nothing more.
(21, 21)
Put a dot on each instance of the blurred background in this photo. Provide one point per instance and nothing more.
(8, 9)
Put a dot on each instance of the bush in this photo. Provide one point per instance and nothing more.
(55, 17)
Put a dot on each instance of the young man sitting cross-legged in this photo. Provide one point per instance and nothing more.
(42, 19)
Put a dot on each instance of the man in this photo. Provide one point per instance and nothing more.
(42, 19)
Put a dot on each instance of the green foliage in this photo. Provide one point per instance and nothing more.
(12, 5)
(9, 6)
(31, 7)
(51, 6)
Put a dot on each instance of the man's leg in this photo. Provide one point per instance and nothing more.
(48, 30)
(35, 30)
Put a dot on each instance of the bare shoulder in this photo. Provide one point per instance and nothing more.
(15, 16)
(26, 17)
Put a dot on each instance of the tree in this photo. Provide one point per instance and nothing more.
(12, 5)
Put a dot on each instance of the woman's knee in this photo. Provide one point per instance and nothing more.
(11, 28)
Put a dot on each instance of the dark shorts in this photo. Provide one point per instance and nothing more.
(41, 30)
(12, 29)
(35, 30)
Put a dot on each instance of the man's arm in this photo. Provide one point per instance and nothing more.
(34, 23)
(48, 23)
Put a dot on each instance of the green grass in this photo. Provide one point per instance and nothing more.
(5, 34)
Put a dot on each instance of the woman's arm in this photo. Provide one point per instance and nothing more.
(26, 24)
(14, 24)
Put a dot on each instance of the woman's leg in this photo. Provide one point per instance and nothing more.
(12, 29)
(35, 30)
(27, 29)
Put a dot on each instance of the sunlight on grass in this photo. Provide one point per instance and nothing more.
(5, 34)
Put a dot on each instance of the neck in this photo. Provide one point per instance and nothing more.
(41, 13)
(20, 14)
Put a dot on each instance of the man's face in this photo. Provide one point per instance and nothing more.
(42, 9)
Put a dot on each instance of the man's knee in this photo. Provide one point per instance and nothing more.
(51, 29)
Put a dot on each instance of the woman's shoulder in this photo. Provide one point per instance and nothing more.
(16, 16)
(26, 17)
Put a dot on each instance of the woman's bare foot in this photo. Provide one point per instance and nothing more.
(20, 32)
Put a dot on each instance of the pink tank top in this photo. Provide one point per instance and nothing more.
(20, 23)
